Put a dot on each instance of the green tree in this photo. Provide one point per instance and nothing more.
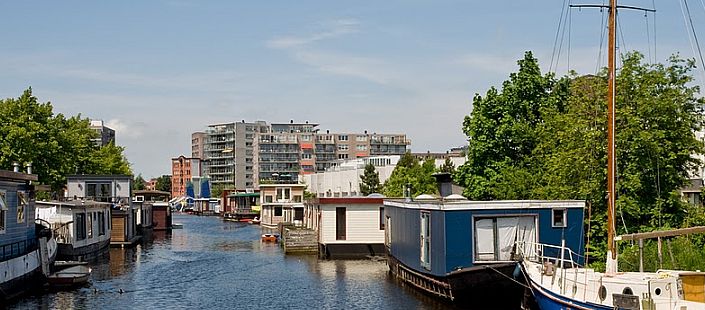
(138, 183)
(109, 159)
(370, 180)
(54, 144)
(501, 131)
(408, 171)
(163, 183)
(447, 166)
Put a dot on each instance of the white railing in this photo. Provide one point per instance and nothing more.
(536, 252)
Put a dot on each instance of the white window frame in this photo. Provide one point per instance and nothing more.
(3, 211)
(425, 234)
(565, 218)
(343, 147)
(22, 215)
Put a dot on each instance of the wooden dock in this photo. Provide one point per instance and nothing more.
(296, 240)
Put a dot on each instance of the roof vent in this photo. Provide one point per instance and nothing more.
(376, 195)
(455, 197)
(424, 197)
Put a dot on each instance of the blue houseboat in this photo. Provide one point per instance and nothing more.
(26, 249)
(464, 250)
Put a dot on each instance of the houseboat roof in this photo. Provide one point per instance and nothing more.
(150, 192)
(74, 203)
(349, 200)
(98, 176)
(17, 176)
(283, 185)
(244, 195)
(457, 204)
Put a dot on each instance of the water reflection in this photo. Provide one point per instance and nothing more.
(215, 264)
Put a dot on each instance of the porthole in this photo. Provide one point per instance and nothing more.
(657, 291)
(627, 291)
(602, 293)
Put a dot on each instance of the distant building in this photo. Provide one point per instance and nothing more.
(343, 178)
(151, 184)
(243, 155)
(456, 155)
(198, 141)
(105, 134)
(183, 170)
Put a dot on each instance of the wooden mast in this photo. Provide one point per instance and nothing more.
(611, 161)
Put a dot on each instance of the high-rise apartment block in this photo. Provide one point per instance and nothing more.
(243, 155)
(105, 134)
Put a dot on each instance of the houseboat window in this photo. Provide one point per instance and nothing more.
(3, 211)
(101, 223)
(21, 206)
(381, 218)
(340, 224)
(99, 191)
(559, 218)
(283, 193)
(268, 199)
(277, 211)
(495, 237)
(90, 225)
(80, 226)
(426, 240)
(297, 198)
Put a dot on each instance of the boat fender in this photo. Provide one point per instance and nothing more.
(517, 272)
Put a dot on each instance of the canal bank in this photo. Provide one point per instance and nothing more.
(212, 264)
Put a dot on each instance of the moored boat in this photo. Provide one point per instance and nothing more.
(269, 238)
(463, 250)
(81, 228)
(27, 248)
(70, 277)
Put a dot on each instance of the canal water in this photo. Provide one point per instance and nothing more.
(211, 264)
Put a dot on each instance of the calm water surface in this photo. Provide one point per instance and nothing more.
(212, 264)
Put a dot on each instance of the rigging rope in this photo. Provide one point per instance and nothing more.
(602, 38)
(558, 31)
(692, 44)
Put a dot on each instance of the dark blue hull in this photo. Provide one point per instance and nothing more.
(548, 300)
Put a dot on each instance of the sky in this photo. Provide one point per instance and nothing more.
(156, 71)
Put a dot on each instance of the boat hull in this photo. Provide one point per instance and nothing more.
(84, 253)
(546, 300)
(480, 287)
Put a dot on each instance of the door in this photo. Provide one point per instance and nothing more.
(340, 221)
(426, 240)
(484, 240)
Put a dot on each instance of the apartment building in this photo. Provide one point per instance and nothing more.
(105, 134)
(229, 153)
(183, 169)
(198, 141)
(244, 155)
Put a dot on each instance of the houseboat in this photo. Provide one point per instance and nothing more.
(81, 228)
(463, 250)
(161, 212)
(27, 249)
(144, 201)
(348, 227)
(115, 189)
(241, 206)
(281, 203)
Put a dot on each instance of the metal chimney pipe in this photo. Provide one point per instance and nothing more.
(444, 181)
(29, 167)
(15, 166)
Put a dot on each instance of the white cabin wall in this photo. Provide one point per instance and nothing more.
(362, 224)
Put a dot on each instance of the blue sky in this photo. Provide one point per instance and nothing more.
(158, 70)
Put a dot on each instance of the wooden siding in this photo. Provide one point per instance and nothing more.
(118, 232)
(362, 224)
(16, 232)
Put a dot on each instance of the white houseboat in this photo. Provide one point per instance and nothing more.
(82, 228)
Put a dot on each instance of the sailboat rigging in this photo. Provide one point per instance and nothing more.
(558, 283)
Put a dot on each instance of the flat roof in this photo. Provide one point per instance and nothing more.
(349, 200)
(98, 176)
(74, 203)
(19, 176)
(462, 204)
(244, 195)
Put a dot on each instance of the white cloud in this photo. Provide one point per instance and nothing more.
(130, 130)
(338, 28)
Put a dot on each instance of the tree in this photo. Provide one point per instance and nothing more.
(370, 180)
(138, 183)
(109, 159)
(163, 183)
(501, 131)
(55, 145)
(408, 172)
(447, 166)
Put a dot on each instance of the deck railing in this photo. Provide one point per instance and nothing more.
(559, 255)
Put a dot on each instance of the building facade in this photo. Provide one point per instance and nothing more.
(243, 155)
(183, 170)
(198, 140)
(342, 179)
(105, 134)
